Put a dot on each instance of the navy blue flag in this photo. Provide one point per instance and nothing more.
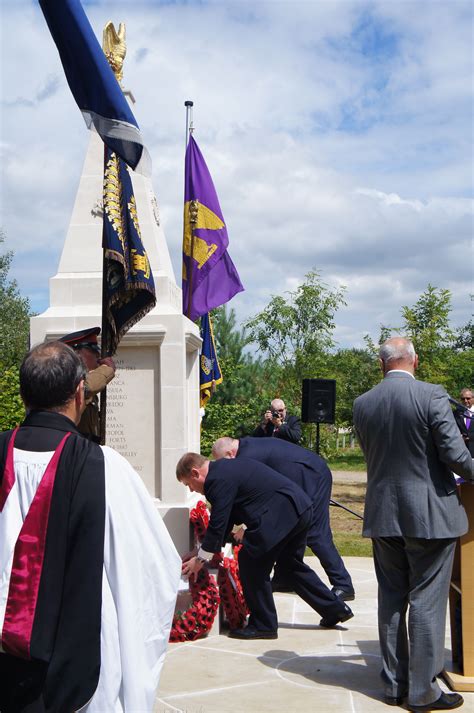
(93, 82)
(209, 369)
(129, 291)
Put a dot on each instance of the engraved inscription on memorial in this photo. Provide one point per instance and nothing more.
(131, 410)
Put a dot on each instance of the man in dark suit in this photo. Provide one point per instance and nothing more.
(277, 515)
(414, 515)
(464, 420)
(310, 472)
(278, 423)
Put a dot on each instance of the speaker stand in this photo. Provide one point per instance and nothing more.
(317, 438)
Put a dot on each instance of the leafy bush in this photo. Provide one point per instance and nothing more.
(12, 411)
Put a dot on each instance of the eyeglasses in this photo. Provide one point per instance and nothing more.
(466, 398)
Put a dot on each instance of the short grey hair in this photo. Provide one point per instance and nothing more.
(222, 446)
(397, 349)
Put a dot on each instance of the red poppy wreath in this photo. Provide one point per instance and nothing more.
(197, 620)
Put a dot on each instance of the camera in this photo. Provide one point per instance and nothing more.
(275, 414)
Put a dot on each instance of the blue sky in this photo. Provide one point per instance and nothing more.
(338, 133)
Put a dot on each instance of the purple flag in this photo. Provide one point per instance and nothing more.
(209, 275)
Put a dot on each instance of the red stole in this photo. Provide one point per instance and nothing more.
(28, 555)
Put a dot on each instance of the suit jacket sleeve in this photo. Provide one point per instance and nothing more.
(449, 443)
(355, 418)
(97, 380)
(221, 494)
(262, 430)
(291, 430)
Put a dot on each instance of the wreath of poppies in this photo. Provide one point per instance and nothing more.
(197, 620)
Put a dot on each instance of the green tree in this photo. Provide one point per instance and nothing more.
(295, 333)
(427, 324)
(14, 334)
(356, 371)
(465, 336)
(461, 362)
(235, 407)
(14, 316)
(12, 411)
(241, 372)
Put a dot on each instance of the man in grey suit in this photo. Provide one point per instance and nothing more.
(413, 514)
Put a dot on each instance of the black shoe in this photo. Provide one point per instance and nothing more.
(347, 595)
(250, 633)
(328, 623)
(393, 700)
(446, 702)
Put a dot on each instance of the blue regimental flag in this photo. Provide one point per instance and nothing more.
(129, 290)
(93, 83)
(209, 370)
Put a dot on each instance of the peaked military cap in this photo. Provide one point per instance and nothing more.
(83, 339)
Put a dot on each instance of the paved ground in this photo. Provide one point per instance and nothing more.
(349, 476)
(306, 669)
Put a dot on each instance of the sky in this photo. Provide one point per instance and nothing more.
(339, 135)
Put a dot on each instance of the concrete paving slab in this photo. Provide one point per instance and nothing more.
(306, 669)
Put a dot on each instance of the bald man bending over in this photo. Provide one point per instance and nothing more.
(277, 514)
(310, 472)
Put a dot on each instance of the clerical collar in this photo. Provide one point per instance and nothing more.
(50, 419)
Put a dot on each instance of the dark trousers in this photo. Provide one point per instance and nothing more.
(255, 577)
(321, 543)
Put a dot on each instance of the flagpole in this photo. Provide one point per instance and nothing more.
(104, 342)
(192, 208)
(189, 120)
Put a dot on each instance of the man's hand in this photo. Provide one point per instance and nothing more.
(192, 567)
(107, 361)
(277, 421)
(267, 417)
(190, 554)
(238, 535)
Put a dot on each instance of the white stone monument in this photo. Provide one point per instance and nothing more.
(153, 402)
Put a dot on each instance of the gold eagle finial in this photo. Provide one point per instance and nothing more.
(115, 48)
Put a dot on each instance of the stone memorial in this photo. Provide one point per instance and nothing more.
(153, 401)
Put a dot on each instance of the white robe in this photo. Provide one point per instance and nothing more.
(141, 575)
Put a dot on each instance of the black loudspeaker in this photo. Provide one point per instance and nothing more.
(319, 401)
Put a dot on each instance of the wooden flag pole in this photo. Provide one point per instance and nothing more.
(105, 327)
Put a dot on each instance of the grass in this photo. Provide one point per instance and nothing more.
(349, 459)
(347, 528)
(352, 545)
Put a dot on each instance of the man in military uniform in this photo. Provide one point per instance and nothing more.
(100, 373)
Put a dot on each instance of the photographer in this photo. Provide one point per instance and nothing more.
(277, 423)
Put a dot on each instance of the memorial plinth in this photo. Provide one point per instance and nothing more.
(153, 402)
